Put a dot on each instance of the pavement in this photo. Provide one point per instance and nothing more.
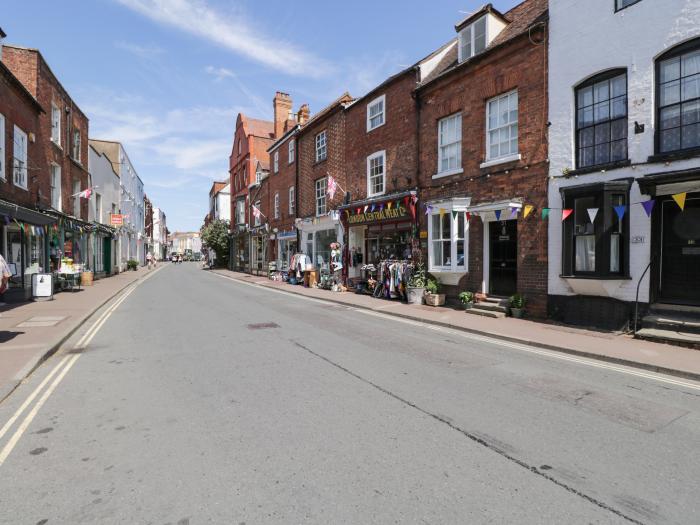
(204, 400)
(31, 331)
(611, 347)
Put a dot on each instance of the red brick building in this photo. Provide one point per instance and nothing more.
(482, 122)
(247, 167)
(281, 183)
(321, 150)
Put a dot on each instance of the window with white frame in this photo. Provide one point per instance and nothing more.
(321, 147)
(376, 174)
(2, 147)
(472, 39)
(56, 187)
(292, 201)
(276, 161)
(258, 219)
(76, 145)
(321, 186)
(240, 211)
(290, 151)
(76, 198)
(98, 207)
(277, 205)
(258, 176)
(376, 112)
(447, 235)
(502, 126)
(19, 165)
(56, 124)
(450, 144)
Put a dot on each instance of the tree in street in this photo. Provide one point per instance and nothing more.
(215, 236)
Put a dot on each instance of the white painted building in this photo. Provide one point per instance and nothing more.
(220, 202)
(183, 241)
(624, 100)
(103, 247)
(159, 234)
(131, 205)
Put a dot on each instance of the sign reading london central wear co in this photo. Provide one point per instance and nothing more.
(400, 212)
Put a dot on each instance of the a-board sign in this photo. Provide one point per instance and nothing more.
(42, 285)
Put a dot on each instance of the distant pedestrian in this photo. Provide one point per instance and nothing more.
(5, 275)
(149, 259)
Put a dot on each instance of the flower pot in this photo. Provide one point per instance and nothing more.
(469, 305)
(414, 295)
(435, 299)
(517, 312)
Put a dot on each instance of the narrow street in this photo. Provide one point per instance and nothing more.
(204, 400)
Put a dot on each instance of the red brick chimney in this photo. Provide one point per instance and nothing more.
(282, 104)
(303, 114)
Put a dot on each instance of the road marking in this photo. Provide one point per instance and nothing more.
(32, 414)
(70, 360)
(31, 397)
(654, 376)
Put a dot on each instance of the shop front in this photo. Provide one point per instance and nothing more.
(258, 250)
(317, 235)
(380, 229)
(286, 247)
(24, 244)
(240, 249)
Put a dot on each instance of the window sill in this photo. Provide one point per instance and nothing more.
(20, 187)
(56, 144)
(599, 168)
(502, 160)
(369, 130)
(598, 277)
(320, 161)
(675, 155)
(448, 173)
(447, 270)
(373, 195)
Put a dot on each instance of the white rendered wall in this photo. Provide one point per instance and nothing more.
(587, 38)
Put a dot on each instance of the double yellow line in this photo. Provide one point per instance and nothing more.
(59, 371)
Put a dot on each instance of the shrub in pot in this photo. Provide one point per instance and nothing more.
(467, 299)
(132, 264)
(433, 297)
(415, 288)
(517, 305)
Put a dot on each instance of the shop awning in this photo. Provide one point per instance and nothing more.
(670, 182)
(22, 214)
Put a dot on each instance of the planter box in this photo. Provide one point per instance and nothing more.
(414, 295)
(435, 299)
(469, 305)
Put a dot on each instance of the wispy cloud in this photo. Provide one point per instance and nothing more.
(141, 51)
(232, 31)
(220, 73)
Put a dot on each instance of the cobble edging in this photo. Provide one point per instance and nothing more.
(562, 349)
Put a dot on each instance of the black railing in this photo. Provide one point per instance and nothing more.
(636, 300)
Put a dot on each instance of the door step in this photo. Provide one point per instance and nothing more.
(675, 308)
(673, 324)
(686, 339)
(477, 310)
(492, 307)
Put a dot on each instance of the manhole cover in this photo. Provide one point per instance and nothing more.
(262, 326)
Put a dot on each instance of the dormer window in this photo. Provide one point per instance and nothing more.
(472, 39)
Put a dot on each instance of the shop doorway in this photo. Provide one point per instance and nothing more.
(503, 257)
(680, 252)
(107, 254)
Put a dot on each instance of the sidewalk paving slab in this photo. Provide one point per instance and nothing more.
(612, 347)
(31, 332)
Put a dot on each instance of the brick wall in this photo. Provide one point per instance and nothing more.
(310, 171)
(518, 65)
(397, 137)
(18, 109)
(279, 183)
(29, 66)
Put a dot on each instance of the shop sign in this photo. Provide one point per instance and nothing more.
(386, 214)
(116, 219)
(423, 234)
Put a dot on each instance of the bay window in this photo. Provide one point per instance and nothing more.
(447, 236)
(595, 240)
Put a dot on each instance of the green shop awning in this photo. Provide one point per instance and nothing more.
(22, 214)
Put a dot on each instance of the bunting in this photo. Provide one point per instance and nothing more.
(648, 206)
(620, 210)
(454, 214)
(565, 213)
(498, 215)
(545, 213)
(592, 212)
(528, 210)
(680, 199)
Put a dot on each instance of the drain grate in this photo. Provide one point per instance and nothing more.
(262, 326)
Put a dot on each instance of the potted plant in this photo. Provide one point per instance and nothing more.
(415, 288)
(132, 264)
(517, 306)
(467, 299)
(433, 297)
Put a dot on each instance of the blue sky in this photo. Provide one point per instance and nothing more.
(168, 77)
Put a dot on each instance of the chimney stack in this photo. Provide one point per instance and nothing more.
(303, 114)
(282, 105)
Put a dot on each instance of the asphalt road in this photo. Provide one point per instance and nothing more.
(203, 400)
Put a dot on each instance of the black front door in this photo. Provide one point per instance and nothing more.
(503, 273)
(680, 256)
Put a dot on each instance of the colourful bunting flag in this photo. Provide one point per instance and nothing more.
(454, 214)
(405, 200)
(498, 215)
(388, 205)
(528, 210)
(592, 212)
(565, 213)
(428, 209)
(545, 213)
(365, 209)
(620, 210)
(442, 212)
(680, 199)
(469, 216)
(648, 206)
(513, 212)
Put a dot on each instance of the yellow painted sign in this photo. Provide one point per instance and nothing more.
(423, 235)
